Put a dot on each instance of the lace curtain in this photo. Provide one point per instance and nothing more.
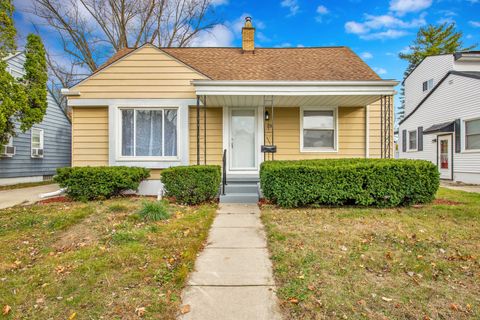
(149, 133)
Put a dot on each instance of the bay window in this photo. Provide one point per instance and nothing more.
(318, 130)
(149, 132)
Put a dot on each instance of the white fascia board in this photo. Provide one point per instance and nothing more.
(130, 102)
(66, 92)
(294, 88)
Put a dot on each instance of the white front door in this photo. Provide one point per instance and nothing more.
(444, 154)
(243, 137)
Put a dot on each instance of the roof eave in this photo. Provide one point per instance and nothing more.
(294, 88)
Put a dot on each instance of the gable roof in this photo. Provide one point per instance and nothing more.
(302, 64)
(456, 56)
(467, 74)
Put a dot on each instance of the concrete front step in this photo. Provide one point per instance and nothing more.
(241, 188)
(239, 198)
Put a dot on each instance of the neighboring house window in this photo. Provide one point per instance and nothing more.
(472, 134)
(37, 143)
(7, 150)
(412, 140)
(318, 130)
(149, 133)
(427, 85)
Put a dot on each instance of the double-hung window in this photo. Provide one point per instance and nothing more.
(427, 85)
(149, 132)
(472, 134)
(36, 143)
(412, 140)
(318, 130)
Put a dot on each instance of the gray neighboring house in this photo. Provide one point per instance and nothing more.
(36, 154)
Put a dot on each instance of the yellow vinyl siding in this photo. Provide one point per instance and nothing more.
(89, 136)
(147, 73)
(351, 134)
(214, 135)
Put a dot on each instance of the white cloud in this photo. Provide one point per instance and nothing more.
(219, 2)
(292, 6)
(447, 20)
(475, 24)
(321, 12)
(284, 45)
(366, 55)
(379, 71)
(321, 9)
(383, 35)
(402, 7)
(219, 36)
(382, 26)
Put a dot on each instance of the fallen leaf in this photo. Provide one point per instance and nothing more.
(454, 307)
(6, 309)
(293, 300)
(311, 287)
(185, 309)
(72, 316)
(387, 299)
(140, 311)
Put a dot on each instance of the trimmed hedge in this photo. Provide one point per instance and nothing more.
(192, 184)
(92, 183)
(364, 182)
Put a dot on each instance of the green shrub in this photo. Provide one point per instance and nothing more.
(192, 184)
(154, 211)
(365, 182)
(90, 183)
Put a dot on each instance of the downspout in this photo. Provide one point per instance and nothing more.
(198, 130)
(367, 132)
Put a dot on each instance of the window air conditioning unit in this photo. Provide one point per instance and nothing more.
(37, 153)
(7, 151)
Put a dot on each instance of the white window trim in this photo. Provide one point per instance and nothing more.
(335, 134)
(119, 157)
(463, 130)
(409, 149)
(41, 141)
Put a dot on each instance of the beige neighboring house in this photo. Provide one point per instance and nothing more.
(160, 107)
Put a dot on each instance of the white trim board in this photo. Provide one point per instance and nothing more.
(130, 102)
(181, 105)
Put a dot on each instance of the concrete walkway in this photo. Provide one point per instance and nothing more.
(460, 186)
(233, 275)
(10, 198)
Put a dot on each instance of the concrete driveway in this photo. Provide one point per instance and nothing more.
(10, 198)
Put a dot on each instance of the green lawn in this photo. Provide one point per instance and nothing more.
(96, 260)
(420, 262)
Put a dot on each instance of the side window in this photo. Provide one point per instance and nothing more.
(427, 85)
(37, 143)
(412, 140)
(472, 134)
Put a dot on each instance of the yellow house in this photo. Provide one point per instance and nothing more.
(236, 107)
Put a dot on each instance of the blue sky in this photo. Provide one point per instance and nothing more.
(376, 30)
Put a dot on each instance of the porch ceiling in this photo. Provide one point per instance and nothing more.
(293, 93)
(290, 101)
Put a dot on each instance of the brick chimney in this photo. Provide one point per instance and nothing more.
(248, 36)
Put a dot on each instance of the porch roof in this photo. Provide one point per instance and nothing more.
(293, 93)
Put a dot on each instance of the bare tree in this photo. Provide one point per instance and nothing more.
(91, 30)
